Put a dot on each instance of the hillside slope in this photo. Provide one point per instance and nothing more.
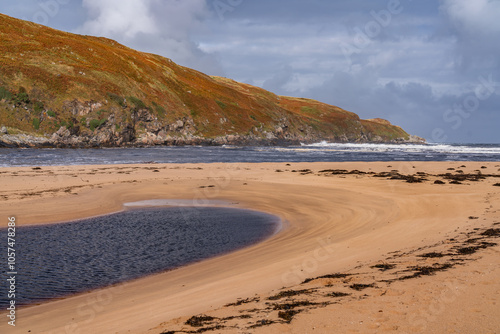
(62, 89)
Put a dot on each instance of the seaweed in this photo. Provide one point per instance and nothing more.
(492, 232)
(243, 301)
(287, 315)
(426, 270)
(338, 294)
(472, 249)
(359, 286)
(334, 276)
(199, 321)
(293, 305)
(383, 266)
(262, 323)
(431, 255)
(290, 293)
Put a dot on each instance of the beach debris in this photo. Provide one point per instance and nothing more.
(384, 266)
(492, 232)
(199, 321)
(303, 171)
(338, 294)
(341, 172)
(332, 276)
(287, 315)
(260, 323)
(293, 305)
(426, 270)
(359, 286)
(432, 255)
(243, 301)
(472, 249)
(290, 293)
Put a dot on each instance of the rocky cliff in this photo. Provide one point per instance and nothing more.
(64, 90)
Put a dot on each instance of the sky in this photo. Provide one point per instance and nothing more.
(429, 66)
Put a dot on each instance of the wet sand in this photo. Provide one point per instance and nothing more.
(348, 259)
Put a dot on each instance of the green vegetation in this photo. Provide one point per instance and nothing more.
(222, 105)
(36, 123)
(159, 109)
(51, 113)
(5, 94)
(137, 102)
(95, 123)
(21, 97)
(38, 107)
(310, 110)
(118, 99)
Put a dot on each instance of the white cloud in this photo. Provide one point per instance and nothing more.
(124, 19)
(163, 27)
(479, 16)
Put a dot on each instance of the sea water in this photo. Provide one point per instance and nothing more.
(320, 152)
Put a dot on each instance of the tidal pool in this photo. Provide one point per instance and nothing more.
(58, 260)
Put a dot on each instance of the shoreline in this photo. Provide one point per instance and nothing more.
(358, 217)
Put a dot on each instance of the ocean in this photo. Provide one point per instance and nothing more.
(319, 152)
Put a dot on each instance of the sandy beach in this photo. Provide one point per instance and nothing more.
(364, 248)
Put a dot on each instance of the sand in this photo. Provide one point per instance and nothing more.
(364, 233)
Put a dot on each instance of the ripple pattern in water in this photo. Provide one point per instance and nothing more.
(58, 260)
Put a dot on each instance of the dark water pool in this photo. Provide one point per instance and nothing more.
(58, 260)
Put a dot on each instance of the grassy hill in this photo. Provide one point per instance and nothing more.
(89, 91)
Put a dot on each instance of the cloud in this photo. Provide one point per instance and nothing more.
(164, 27)
(478, 16)
(279, 79)
(476, 27)
(125, 20)
(419, 65)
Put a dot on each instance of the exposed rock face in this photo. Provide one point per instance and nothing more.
(105, 137)
(78, 108)
(25, 141)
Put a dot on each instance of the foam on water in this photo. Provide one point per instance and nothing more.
(439, 148)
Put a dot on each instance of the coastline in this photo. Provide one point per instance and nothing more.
(334, 222)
